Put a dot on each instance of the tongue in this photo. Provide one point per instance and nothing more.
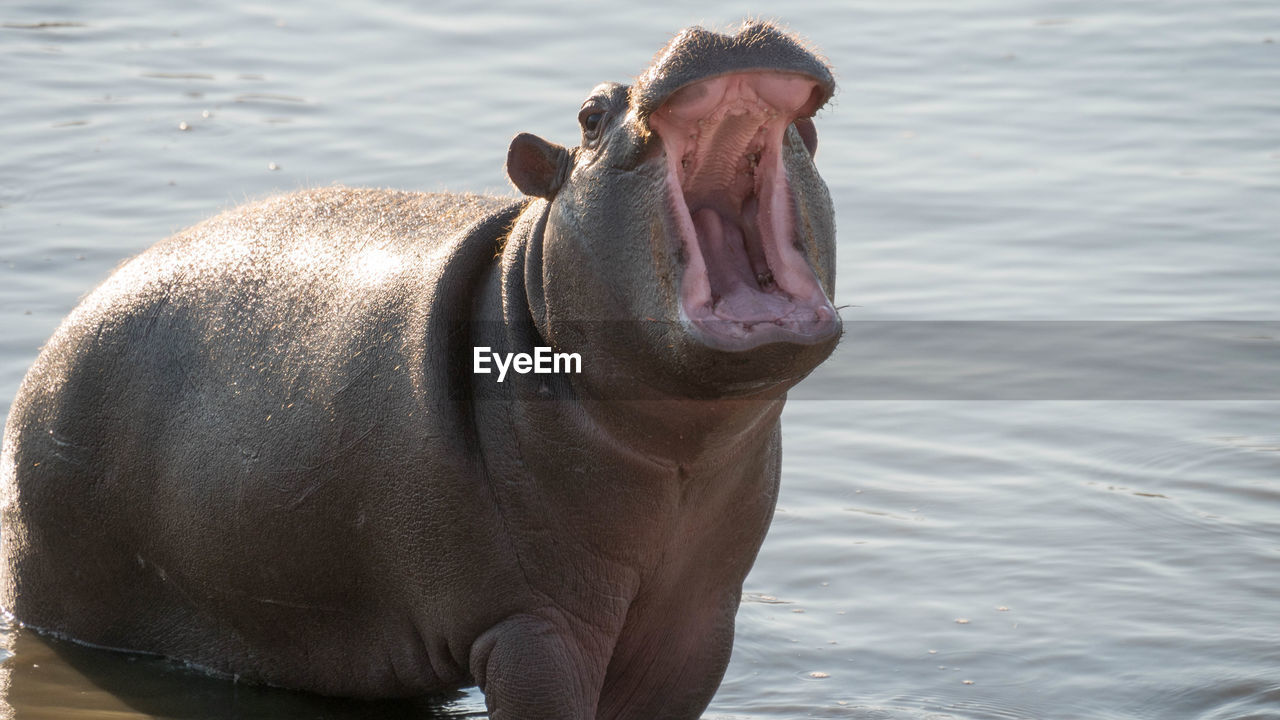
(735, 291)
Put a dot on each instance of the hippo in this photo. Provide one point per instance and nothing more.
(265, 446)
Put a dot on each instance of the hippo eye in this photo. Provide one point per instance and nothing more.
(592, 121)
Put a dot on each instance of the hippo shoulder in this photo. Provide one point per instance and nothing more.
(339, 221)
(294, 281)
(299, 251)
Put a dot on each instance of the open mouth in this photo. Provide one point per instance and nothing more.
(746, 281)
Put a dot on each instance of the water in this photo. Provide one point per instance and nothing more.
(1116, 556)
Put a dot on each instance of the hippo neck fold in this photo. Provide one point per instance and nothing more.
(662, 426)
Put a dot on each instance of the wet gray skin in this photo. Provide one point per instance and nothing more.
(259, 447)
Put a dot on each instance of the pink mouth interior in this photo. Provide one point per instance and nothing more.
(745, 282)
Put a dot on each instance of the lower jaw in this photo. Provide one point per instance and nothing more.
(822, 325)
(737, 292)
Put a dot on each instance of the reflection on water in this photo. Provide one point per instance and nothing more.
(47, 678)
(989, 161)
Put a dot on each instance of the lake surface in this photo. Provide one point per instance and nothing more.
(1039, 479)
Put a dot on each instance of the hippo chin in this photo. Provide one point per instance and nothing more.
(261, 446)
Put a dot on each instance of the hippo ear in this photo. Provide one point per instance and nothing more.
(808, 133)
(537, 167)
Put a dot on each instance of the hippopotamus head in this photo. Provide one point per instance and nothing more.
(691, 220)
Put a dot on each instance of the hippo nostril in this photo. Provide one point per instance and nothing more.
(697, 54)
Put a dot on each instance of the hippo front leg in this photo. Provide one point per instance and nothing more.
(534, 667)
(671, 671)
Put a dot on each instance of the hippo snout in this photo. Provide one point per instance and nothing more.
(697, 54)
(721, 107)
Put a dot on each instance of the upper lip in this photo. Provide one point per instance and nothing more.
(756, 47)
